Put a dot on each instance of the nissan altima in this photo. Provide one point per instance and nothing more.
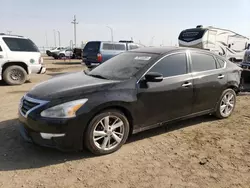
(130, 93)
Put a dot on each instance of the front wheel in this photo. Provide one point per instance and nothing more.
(226, 104)
(14, 75)
(61, 56)
(107, 132)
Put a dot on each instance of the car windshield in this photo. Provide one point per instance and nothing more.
(123, 66)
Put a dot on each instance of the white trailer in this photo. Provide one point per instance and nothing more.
(221, 41)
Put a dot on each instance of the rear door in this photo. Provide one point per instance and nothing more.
(209, 80)
(90, 52)
(2, 56)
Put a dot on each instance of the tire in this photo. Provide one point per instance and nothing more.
(106, 136)
(227, 105)
(61, 56)
(14, 75)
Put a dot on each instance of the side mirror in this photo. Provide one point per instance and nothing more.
(153, 77)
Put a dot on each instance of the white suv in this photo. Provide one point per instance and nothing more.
(19, 57)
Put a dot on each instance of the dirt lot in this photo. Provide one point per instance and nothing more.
(202, 152)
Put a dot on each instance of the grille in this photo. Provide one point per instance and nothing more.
(27, 105)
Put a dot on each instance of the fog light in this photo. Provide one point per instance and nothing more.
(50, 135)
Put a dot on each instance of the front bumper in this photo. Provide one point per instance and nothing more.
(63, 135)
(42, 70)
(91, 65)
(37, 69)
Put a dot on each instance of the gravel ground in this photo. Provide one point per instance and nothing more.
(201, 152)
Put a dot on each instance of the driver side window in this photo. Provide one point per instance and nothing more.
(172, 65)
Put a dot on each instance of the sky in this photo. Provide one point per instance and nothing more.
(150, 22)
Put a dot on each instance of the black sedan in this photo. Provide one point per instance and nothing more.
(131, 92)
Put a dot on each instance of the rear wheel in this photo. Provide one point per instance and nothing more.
(14, 75)
(107, 132)
(226, 104)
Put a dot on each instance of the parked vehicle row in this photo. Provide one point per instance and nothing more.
(55, 50)
(75, 53)
(100, 108)
(19, 57)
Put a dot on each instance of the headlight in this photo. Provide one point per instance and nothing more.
(65, 110)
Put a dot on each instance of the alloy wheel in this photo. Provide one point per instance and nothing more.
(227, 104)
(108, 133)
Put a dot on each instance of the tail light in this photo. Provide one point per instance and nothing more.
(99, 58)
(40, 61)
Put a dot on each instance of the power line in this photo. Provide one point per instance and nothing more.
(75, 23)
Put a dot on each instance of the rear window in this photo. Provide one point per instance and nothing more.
(110, 46)
(92, 47)
(119, 46)
(20, 45)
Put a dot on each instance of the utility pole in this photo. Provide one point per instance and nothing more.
(59, 38)
(74, 22)
(112, 35)
(54, 37)
(152, 41)
(46, 40)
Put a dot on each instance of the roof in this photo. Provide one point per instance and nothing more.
(12, 36)
(166, 50)
(216, 28)
(158, 50)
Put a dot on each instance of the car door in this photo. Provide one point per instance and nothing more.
(2, 55)
(170, 99)
(209, 81)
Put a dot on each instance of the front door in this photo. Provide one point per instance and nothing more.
(170, 99)
(209, 81)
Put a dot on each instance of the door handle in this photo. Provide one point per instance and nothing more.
(186, 84)
(1, 56)
(221, 76)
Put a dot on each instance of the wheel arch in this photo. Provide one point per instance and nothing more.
(116, 106)
(18, 63)
(234, 86)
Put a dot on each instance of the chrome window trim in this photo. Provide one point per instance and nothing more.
(40, 103)
(173, 53)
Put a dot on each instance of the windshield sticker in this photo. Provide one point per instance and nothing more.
(143, 58)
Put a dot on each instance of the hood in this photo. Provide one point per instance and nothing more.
(69, 85)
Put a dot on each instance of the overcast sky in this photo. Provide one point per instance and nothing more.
(152, 22)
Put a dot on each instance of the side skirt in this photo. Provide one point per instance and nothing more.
(171, 121)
